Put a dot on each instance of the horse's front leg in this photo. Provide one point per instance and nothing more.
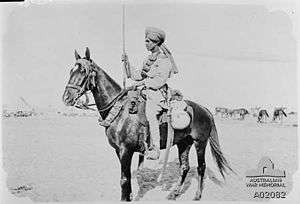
(125, 156)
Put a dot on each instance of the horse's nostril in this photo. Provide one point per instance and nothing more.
(67, 96)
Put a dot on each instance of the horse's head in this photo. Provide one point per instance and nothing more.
(82, 79)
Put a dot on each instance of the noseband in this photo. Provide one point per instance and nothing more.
(81, 91)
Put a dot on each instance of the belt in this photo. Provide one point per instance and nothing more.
(162, 88)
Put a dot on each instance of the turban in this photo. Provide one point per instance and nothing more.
(155, 34)
(159, 36)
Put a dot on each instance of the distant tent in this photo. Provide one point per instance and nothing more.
(20, 108)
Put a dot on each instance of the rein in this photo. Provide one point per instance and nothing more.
(110, 104)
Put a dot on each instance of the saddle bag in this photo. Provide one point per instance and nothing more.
(180, 119)
(181, 113)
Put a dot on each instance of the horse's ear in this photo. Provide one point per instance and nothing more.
(87, 54)
(77, 56)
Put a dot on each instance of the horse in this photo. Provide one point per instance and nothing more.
(127, 133)
(224, 112)
(262, 116)
(239, 113)
(278, 114)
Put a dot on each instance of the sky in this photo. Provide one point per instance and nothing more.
(229, 53)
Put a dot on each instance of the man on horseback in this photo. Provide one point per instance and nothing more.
(158, 67)
(123, 132)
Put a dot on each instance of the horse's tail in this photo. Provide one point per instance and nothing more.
(217, 154)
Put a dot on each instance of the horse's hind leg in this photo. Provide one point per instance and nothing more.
(200, 149)
(183, 153)
(125, 158)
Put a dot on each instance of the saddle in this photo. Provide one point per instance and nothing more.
(181, 113)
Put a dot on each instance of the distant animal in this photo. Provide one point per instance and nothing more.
(292, 113)
(223, 112)
(278, 114)
(262, 116)
(239, 113)
(128, 131)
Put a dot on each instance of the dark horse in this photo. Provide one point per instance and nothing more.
(126, 134)
(278, 114)
(262, 115)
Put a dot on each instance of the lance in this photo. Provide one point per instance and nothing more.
(126, 71)
(170, 138)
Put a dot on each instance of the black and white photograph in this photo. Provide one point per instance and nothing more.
(139, 100)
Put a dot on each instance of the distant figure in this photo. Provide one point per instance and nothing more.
(278, 114)
(224, 112)
(239, 113)
(262, 116)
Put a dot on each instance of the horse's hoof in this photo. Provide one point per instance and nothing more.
(171, 196)
(128, 198)
(175, 193)
(197, 197)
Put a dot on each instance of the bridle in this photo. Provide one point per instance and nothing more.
(82, 90)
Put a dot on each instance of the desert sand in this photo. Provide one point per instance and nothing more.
(59, 158)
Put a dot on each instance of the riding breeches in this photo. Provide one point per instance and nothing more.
(152, 109)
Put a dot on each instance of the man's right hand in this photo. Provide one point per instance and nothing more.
(124, 58)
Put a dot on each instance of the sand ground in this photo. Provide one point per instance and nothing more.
(59, 158)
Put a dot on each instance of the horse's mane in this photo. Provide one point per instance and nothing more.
(111, 80)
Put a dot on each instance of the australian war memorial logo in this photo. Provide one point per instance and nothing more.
(266, 181)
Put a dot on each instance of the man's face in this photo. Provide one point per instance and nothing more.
(150, 45)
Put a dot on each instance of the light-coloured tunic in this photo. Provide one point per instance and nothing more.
(157, 76)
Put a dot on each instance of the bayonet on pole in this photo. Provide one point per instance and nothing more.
(123, 39)
(126, 66)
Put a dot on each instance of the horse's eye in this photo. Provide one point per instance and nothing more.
(82, 70)
(78, 65)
